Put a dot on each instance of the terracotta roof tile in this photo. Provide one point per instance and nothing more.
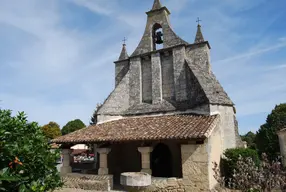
(145, 128)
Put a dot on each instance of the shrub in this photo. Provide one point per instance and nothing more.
(231, 157)
(26, 161)
(248, 177)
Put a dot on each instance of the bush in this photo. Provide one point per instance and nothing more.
(231, 157)
(248, 177)
(26, 161)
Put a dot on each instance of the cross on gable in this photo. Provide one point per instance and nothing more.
(198, 20)
(124, 40)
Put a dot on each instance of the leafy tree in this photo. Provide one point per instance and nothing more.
(266, 138)
(93, 119)
(26, 161)
(250, 139)
(51, 130)
(72, 126)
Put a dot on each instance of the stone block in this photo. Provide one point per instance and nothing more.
(135, 179)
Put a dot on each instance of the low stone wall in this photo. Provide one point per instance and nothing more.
(88, 182)
(166, 185)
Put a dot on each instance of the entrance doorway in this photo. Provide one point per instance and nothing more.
(161, 161)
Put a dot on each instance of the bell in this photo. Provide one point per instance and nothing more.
(158, 37)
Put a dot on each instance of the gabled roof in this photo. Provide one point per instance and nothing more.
(167, 127)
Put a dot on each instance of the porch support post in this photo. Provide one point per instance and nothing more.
(103, 167)
(66, 168)
(145, 159)
(95, 156)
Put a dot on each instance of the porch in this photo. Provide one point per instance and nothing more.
(170, 148)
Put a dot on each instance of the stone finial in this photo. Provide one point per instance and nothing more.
(123, 55)
(199, 35)
(157, 5)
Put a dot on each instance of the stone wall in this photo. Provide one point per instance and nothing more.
(166, 185)
(214, 147)
(229, 134)
(118, 100)
(88, 182)
(156, 78)
(135, 81)
(121, 68)
(168, 87)
(195, 167)
(180, 73)
(146, 73)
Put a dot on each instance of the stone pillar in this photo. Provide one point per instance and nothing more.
(156, 78)
(66, 168)
(95, 156)
(135, 81)
(103, 167)
(145, 159)
(282, 143)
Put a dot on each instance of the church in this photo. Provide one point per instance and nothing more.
(167, 116)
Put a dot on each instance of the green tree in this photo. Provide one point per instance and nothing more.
(250, 139)
(93, 119)
(26, 161)
(72, 126)
(52, 130)
(266, 138)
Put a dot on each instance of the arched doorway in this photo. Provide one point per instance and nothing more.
(161, 161)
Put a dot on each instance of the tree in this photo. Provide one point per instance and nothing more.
(72, 126)
(250, 139)
(26, 161)
(93, 119)
(51, 130)
(266, 138)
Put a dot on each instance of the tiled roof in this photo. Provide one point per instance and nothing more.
(145, 128)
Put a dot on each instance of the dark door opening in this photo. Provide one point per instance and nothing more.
(161, 161)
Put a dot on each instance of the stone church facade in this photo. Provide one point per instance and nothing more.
(167, 116)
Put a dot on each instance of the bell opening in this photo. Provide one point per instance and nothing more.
(158, 37)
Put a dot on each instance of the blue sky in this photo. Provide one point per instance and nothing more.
(56, 56)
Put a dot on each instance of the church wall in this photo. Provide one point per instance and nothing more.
(180, 73)
(121, 68)
(214, 144)
(135, 81)
(229, 132)
(104, 118)
(168, 87)
(198, 62)
(195, 167)
(146, 73)
(156, 78)
(199, 56)
(118, 101)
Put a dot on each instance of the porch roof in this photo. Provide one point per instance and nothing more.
(165, 127)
